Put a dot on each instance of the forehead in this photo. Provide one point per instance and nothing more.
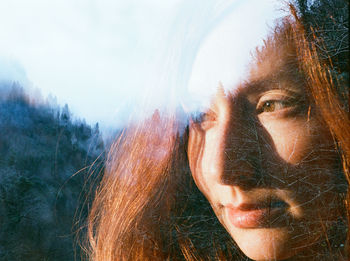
(271, 69)
(274, 66)
(276, 59)
(224, 54)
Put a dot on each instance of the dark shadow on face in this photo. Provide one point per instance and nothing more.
(252, 161)
(266, 161)
(269, 145)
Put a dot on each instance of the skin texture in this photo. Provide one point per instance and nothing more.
(264, 146)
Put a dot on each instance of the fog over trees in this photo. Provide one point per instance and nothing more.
(46, 159)
(50, 161)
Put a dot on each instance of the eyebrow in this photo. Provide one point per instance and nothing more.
(265, 84)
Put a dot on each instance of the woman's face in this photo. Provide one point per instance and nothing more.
(266, 162)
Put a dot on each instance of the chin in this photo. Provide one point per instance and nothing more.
(264, 243)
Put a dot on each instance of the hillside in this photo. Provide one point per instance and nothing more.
(46, 158)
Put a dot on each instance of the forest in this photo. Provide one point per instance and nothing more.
(50, 161)
(47, 160)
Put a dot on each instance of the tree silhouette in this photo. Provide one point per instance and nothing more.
(45, 160)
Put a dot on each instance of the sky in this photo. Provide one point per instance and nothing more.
(109, 59)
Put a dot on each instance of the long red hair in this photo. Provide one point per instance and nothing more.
(147, 206)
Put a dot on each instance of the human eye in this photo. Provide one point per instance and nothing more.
(273, 105)
(277, 102)
(204, 120)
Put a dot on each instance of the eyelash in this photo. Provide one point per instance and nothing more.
(205, 120)
(269, 106)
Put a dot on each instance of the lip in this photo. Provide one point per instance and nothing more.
(256, 215)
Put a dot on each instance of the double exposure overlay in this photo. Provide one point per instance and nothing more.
(258, 172)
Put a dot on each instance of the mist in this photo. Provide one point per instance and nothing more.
(114, 61)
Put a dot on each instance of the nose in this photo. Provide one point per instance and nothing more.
(242, 153)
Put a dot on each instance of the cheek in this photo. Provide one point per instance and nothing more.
(293, 140)
(306, 152)
(201, 160)
(211, 161)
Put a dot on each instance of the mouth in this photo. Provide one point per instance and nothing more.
(257, 215)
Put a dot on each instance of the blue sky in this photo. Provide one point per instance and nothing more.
(105, 58)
